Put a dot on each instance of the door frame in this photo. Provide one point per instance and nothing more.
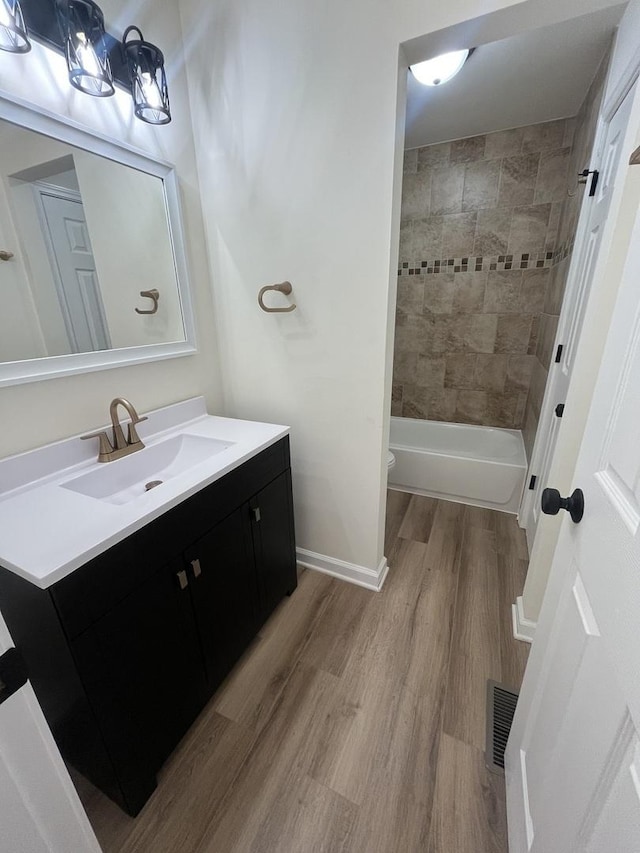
(562, 464)
(572, 304)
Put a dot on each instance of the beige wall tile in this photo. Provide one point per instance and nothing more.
(410, 298)
(491, 372)
(533, 335)
(551, 184)
(481, 184)
(433, 155)
(412, 335)
(546, 339)
(416, 194)
(556, 288)
(405, 367)
(460, 370)
(519, 370)
(472, 333)
(529, 228)
(430, 371)
(447, 185)
(467, 150)
(458, 234)
(543, 137)
(410, 164)
(396, 393)
(521, 405)
(472, 407)
(469, 289)
(492, 232)
(438, 293)
(534, 290)
(518, 177)
(513, 331)
(442, 406)
(502, 295)
(504, 143)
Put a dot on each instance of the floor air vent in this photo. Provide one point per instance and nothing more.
(501, 706)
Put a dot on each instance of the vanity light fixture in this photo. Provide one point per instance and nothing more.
(13, 33)
(86, 48)
(441, 69)
(148, 80)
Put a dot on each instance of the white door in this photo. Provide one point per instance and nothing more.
(606, 159)
(74, 269)
(39, 808)
(573, 758)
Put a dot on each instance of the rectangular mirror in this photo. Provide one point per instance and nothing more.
(92, 265)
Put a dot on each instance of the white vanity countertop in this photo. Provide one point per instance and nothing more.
(47, 530)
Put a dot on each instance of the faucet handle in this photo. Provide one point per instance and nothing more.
(105, 445)
(132, 433)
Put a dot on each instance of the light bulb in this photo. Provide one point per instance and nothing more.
(151, 91)
(435, 72)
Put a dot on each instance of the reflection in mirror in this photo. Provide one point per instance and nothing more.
(87, 235)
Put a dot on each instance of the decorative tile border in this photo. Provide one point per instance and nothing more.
(524, 261)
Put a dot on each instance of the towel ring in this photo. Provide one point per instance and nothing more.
(285, 288)
(150, 294)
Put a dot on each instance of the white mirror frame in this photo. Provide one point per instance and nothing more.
(21, 113)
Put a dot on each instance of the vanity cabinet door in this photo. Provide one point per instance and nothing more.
(224, 593)
(142, 669)
(274, 543)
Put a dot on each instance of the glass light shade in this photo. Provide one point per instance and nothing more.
(13, 33)
(148, 80)
(86, 49)
(441, 69)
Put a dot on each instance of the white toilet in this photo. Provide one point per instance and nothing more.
(391, 461)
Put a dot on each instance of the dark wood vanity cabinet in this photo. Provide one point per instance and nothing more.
(125, 651)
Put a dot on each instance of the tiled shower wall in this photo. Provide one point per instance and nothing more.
(478, 240)
(584, 133)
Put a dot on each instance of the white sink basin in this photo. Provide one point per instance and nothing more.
(128, 478)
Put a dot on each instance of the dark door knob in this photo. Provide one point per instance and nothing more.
(552, 503)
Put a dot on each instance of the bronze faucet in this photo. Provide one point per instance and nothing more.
(119, 446)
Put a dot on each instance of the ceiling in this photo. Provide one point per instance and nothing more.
(533, 77)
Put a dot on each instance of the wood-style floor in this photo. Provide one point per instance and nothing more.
(356, 721)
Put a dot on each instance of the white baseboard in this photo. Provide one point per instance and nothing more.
(523, 628)
(359, 575)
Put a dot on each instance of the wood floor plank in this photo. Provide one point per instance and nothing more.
(513, 653)
(477, 516)
(397, 505)
(476, 640)
(418, 519)
(355, 722)
(272, 774)
(253, 687)
(511, 539)
(469, 814)
(330, 643)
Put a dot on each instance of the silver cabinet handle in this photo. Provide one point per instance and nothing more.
(183, 580)
(197, 569)
(256, 513)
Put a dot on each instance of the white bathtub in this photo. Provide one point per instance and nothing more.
(481, 466)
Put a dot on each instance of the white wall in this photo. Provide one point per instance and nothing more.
(37, 413)
(295, 107)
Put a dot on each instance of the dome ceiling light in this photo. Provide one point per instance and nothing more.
(440, 69)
